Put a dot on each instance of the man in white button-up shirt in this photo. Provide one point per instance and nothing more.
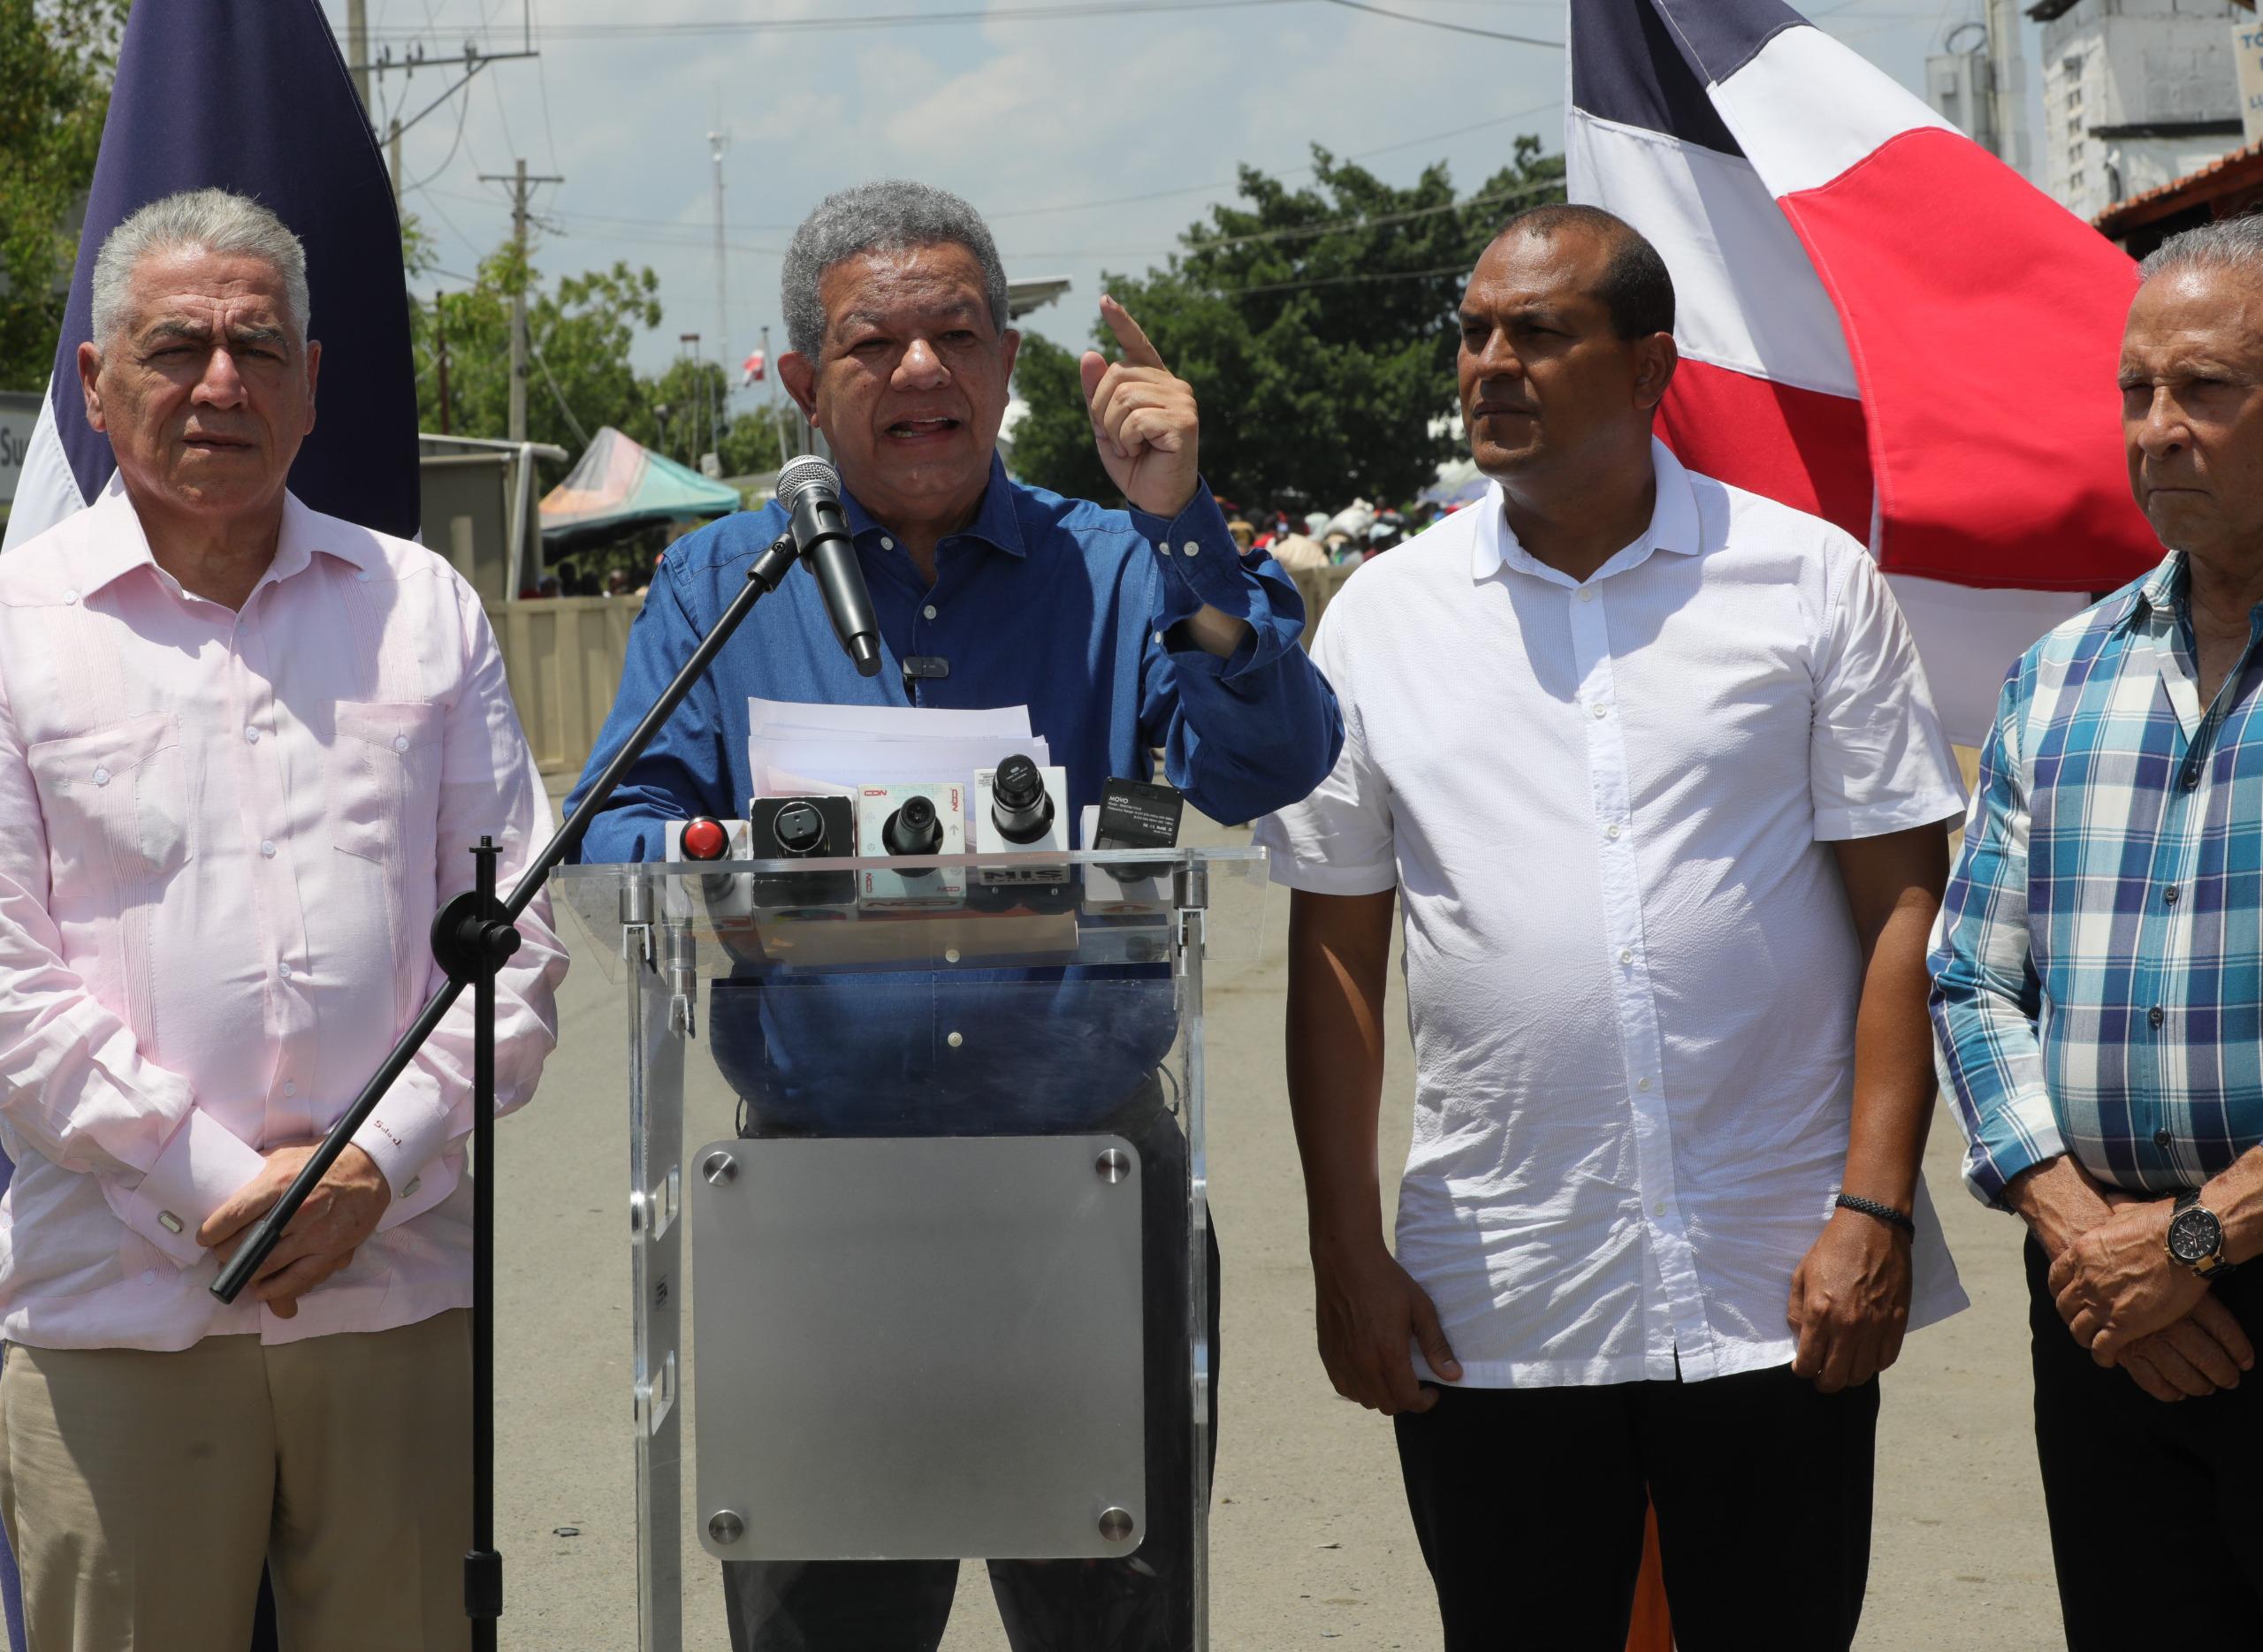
(245, 749)
(1650, 764)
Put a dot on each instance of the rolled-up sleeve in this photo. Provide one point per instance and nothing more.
(1878, 760)
(489, 787)
(1254, 730)
(1986, 993)
(684, 770)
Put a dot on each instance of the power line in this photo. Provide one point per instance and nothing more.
(1058, 12)
(1342, 280)
(1458, 28)
(1299, 171)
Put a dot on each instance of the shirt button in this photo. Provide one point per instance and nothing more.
(886, 544)
(2154, 1016)
(955, 1041)
(401, 742)
(1626, 955)
(929, 611)
(282, 968)
(1190, 547)
(950, 955)
(1612, 832)
(289, 1087)
(2192, 776)
(267, 847)
(2169, 894)
(362, 574)
(415, 1181)
(251, 736)
(1163, 547)
(70, 595)
(102, 777)
(1602, 710)
(170, 1223)
(1587, 593)
(1641, 1084)
(2161, 1137)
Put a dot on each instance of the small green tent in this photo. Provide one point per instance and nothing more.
(619, 484)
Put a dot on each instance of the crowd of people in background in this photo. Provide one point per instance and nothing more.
(1317, 539)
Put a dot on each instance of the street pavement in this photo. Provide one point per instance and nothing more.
(1310, 1539)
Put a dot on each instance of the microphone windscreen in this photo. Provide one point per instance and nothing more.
(801, 473)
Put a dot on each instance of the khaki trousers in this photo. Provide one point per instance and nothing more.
(142, 1491)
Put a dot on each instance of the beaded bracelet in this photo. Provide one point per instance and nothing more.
(1887, 1213)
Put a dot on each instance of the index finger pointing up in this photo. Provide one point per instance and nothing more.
(1138, 350)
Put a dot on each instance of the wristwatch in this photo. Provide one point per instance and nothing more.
(2195, 1238)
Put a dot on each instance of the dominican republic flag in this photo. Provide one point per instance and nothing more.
(1880, 322)
(255, 98)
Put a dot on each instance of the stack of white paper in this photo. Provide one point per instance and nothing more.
(796, 750)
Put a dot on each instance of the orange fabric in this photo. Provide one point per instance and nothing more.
(1652, 1628)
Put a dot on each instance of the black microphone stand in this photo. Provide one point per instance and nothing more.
(473, 937)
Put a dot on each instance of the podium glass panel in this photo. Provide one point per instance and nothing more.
(947, 1258)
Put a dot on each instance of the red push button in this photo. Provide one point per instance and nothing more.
(705, 839)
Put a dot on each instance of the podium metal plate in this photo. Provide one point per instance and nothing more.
(917, 1349)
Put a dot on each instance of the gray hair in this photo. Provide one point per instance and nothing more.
(196, 220)
(893, 215)
(2226, 244)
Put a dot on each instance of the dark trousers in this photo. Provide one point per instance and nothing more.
(1528, 1505)
(2156, 1507)
(1142, 1603)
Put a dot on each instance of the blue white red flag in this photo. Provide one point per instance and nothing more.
(254, 99)
(1880, 322)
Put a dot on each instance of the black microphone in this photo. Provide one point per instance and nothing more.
(810, 490)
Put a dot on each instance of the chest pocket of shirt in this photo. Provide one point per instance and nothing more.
(117, 806)
(385, 771)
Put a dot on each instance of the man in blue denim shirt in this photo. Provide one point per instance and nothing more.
(1121, 631)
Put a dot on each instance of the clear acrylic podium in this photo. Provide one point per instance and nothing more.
(947, 1268)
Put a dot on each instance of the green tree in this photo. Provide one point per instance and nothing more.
(1316, 324)
(56, 59)
(581, 332)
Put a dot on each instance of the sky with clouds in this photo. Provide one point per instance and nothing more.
(1090, 140)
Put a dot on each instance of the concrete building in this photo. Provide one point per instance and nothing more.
(2136, 94)
(1978, 81)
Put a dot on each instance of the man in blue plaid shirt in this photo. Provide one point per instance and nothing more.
(2097, 993)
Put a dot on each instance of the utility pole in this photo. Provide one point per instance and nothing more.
(393, 148)
(719, 141)
(440, 355)
(770, 373)
(700, 402)
(521, 181)
(357, 49)
(2007, 84)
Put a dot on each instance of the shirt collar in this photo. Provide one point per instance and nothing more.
(1674, 526)
(2159, 594)
(996, 522)
(117, 543)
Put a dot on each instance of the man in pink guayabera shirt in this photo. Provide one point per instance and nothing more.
(244, 750)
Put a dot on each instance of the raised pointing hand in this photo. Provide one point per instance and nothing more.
(1144, 420)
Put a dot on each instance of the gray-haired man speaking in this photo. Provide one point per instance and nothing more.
(1121, 631)
(243, 747)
